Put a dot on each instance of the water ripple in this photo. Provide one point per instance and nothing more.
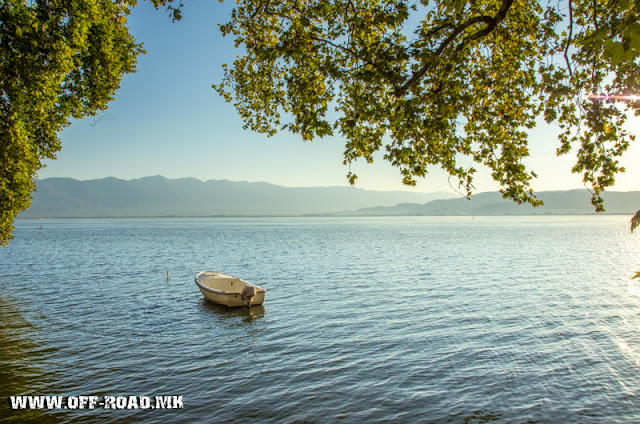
(384, 319)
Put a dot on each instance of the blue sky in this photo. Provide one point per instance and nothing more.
(167, 120)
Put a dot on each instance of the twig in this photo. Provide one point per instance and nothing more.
(566, 49)
(95, 122)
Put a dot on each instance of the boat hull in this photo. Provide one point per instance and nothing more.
(226, 289)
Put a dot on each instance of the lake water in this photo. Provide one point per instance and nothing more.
(426, 319)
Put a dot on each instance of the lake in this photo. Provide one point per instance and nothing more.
(415, 319)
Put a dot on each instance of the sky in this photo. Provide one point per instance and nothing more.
(167, 120)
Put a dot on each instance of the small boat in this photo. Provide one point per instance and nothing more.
(229, 290)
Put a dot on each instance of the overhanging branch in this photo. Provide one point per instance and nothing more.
(491, 24)
(566, 49)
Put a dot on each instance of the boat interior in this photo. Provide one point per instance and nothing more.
(228, 284)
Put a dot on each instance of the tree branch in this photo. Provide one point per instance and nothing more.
(491, 22)
(566, 49)
(258, 9)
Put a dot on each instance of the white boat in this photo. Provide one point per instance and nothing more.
(229, 290)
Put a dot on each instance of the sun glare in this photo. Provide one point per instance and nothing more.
(619, 97)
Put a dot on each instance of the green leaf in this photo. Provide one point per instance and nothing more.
(614, 51)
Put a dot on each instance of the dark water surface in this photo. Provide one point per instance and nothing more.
(530, 319)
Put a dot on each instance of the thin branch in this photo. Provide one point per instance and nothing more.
(366, 60)
(456, 190)
(566, 49)
(258, 9)
(435, 30)
(491, 24)
(337, 46)
(95, 122)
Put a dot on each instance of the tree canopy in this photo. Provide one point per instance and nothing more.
(59, 59)
(446, 83)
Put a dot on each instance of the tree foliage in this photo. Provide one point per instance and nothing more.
(453, 83)
(59, 59)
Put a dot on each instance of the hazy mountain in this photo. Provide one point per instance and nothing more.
(572, 202)
(159, 196)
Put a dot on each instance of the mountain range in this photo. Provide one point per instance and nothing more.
(161, 197)
(158, 196)
(570, 202)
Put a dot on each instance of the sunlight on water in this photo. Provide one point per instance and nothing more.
(634, 289)
(623, 345)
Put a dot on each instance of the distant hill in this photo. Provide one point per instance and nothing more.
(572, 202)
(158, 196)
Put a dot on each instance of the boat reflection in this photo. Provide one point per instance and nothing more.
(226, 313)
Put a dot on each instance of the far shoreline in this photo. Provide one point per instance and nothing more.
(603, 214)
